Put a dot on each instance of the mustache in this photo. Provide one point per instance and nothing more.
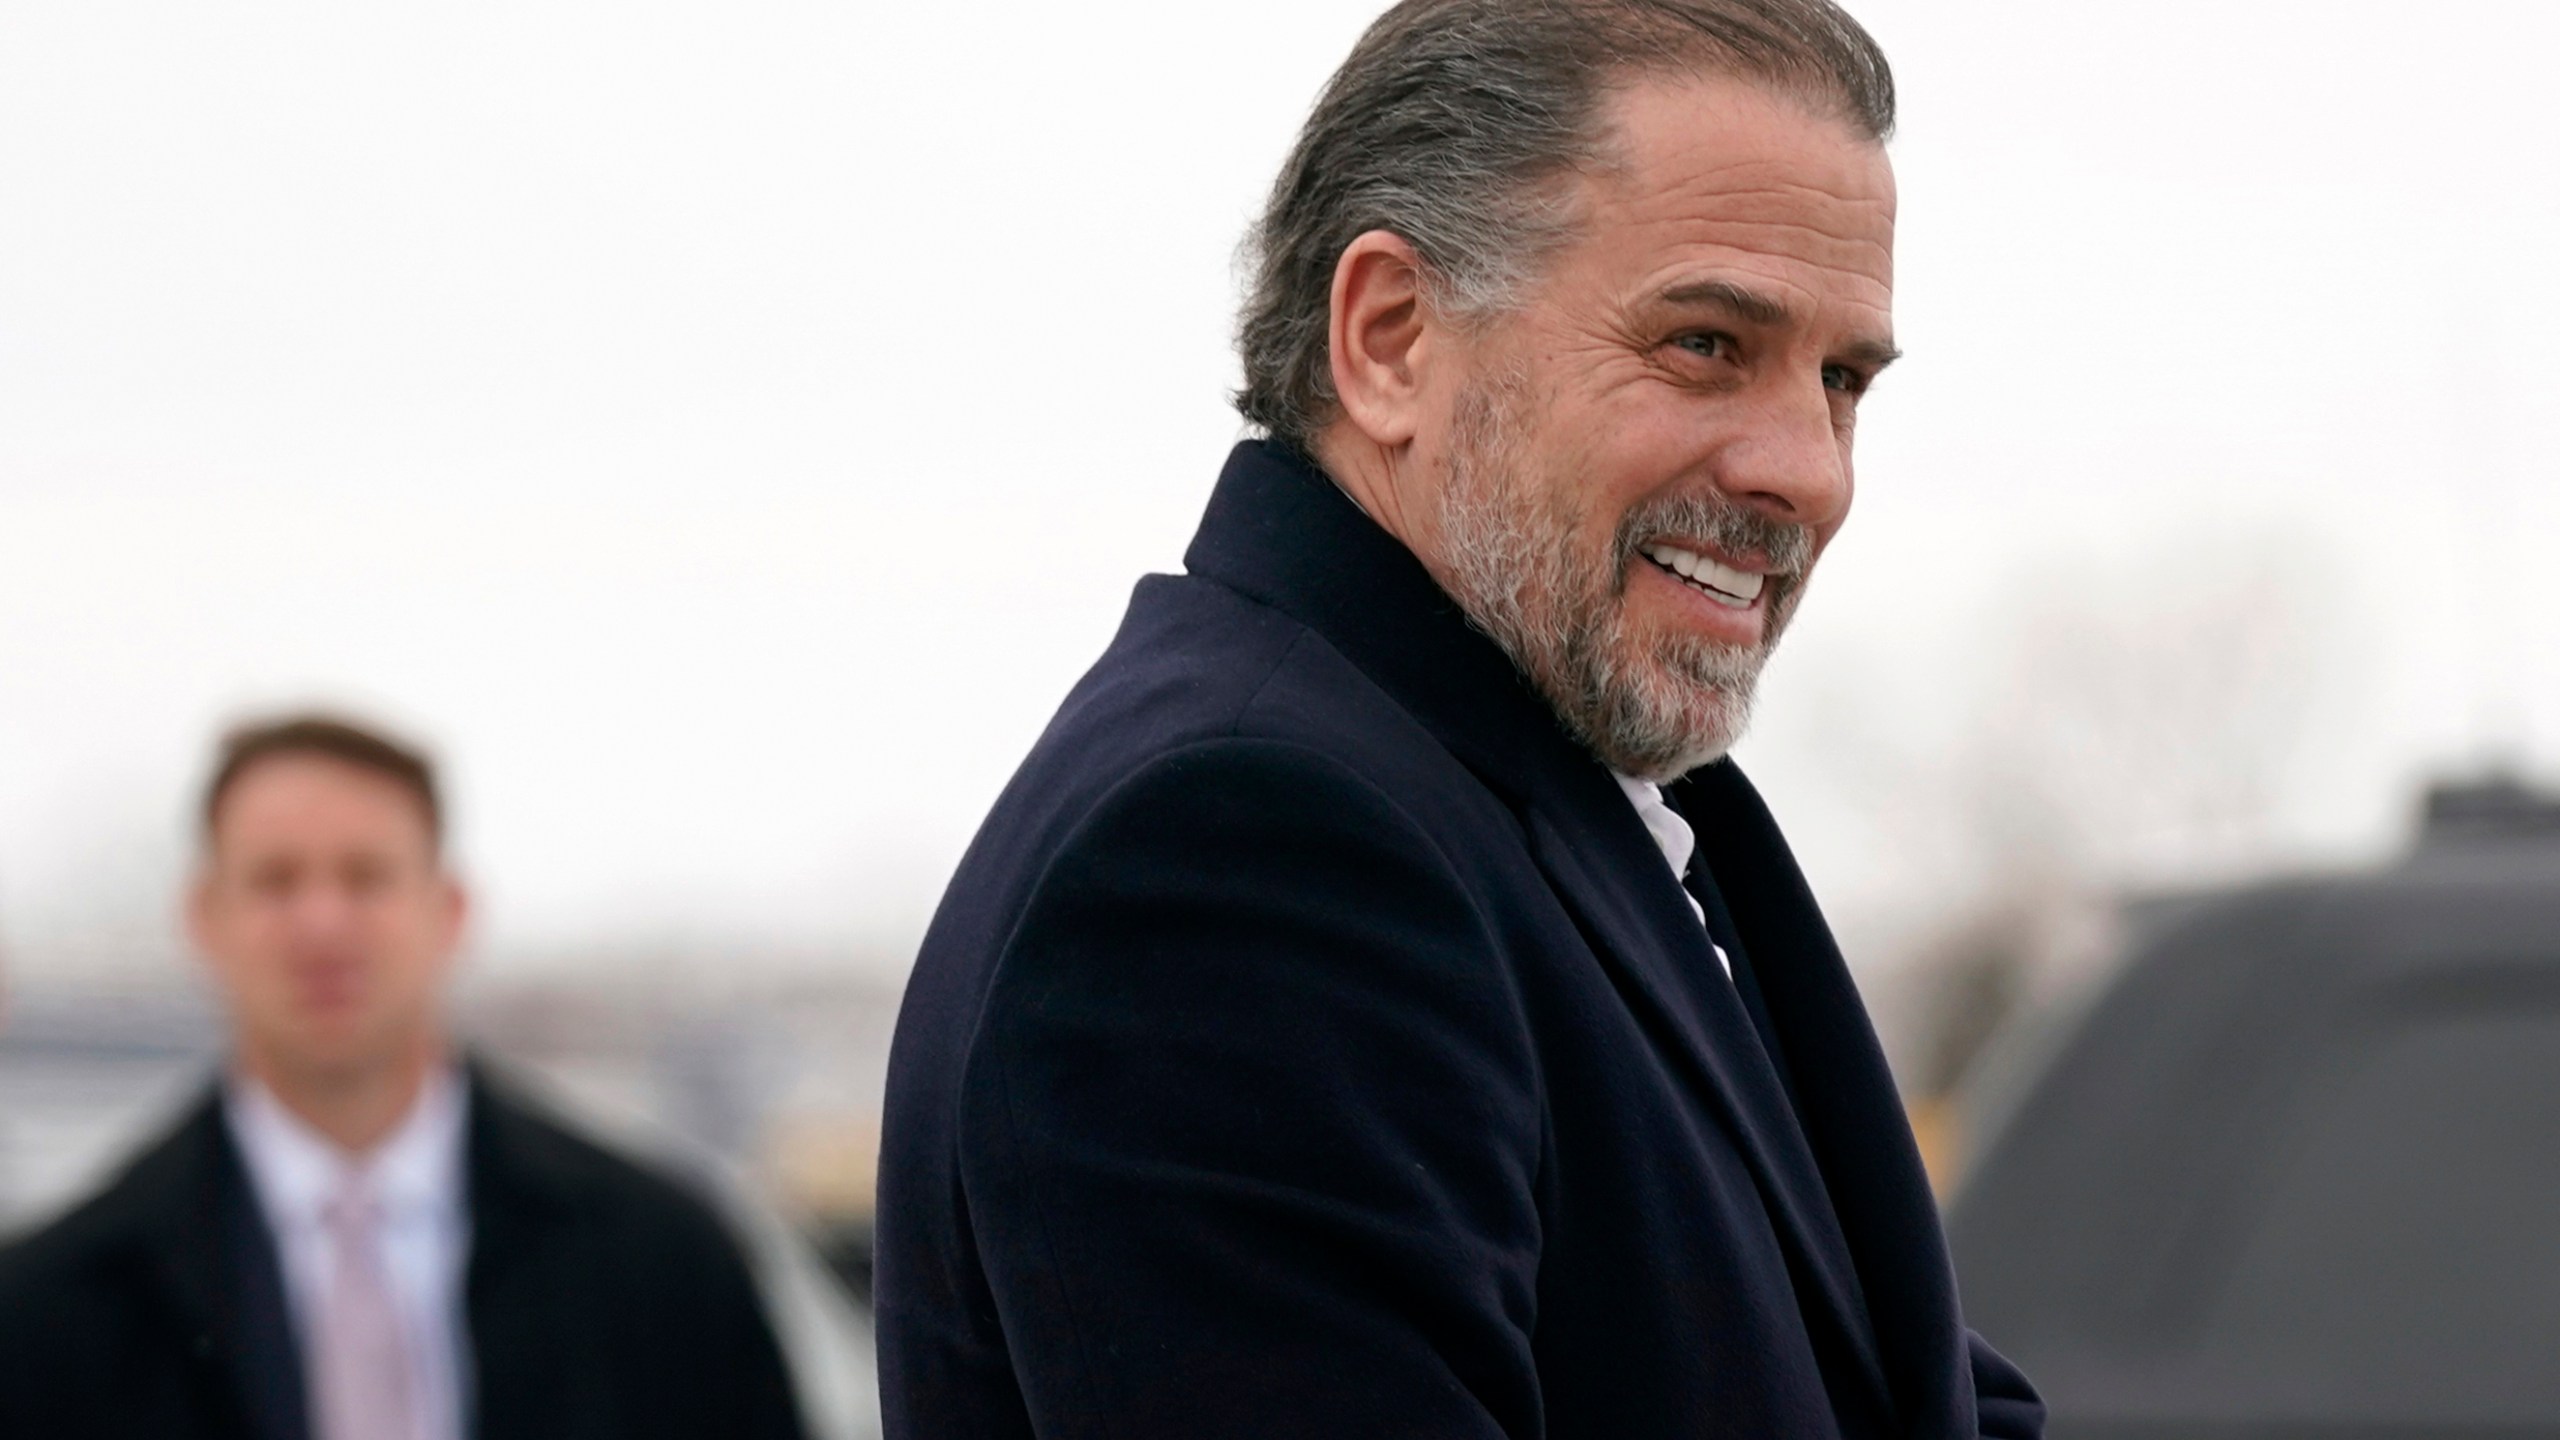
(1727, 524)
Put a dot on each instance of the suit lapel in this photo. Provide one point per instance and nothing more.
(215, 1267)
(1593, 848)
(1860, 1140)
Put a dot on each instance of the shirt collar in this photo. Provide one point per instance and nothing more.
(1671, 834)
(296, 1170)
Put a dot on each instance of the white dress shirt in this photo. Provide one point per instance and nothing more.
(416, 1176)
(1677, 842)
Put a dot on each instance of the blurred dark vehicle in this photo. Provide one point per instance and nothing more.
(2296, 1173)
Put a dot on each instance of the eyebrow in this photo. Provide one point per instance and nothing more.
(1756, 308)
(1724, 295)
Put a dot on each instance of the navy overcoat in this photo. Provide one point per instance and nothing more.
(1314, 1044)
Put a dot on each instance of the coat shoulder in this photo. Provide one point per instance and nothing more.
(43, 1268)
(1197, 662)
(74, 1289)
(162, 1176)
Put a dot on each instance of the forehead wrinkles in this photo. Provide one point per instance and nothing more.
(1804, 224)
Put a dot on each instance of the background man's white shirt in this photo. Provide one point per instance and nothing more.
(416, 1176)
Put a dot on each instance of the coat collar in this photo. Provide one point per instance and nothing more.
(516, 1173)
(1279, 532)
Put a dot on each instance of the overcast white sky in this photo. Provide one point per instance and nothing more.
(726, 430)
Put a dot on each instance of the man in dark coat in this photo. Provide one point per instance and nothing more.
(354, 1235)
(1376, 1007)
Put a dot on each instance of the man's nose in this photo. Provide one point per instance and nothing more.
(323, 908)
(1790, 459)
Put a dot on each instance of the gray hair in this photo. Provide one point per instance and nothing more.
(1450, 124)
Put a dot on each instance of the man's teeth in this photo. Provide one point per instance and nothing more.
(1722, 581)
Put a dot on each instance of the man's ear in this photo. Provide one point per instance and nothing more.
(455, 901)
(1383, 337)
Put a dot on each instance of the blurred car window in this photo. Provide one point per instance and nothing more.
(2422, 1186)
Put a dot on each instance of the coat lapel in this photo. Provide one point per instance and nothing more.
(1607, 871)
(1279, 532)
(1852, 1116)
(214, 1265)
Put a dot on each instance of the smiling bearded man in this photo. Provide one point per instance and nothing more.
(1376, 1008)
(1654, 711)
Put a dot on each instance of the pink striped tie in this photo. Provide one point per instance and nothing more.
(361, 1384)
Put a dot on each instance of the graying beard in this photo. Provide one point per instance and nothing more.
(1509, 564)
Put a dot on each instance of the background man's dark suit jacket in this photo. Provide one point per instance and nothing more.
(1314, 1044)
(604, 1303)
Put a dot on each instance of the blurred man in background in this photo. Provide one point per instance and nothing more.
(357, 1235)
(1376, 1008)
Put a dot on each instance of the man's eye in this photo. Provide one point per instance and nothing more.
(1844, 380)
(1710, 345)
